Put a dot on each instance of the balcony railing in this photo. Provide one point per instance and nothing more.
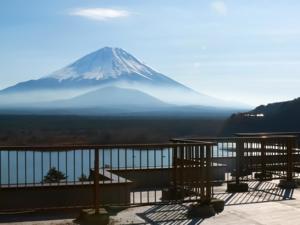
(46, 177)
(274, 156)
(127, 174)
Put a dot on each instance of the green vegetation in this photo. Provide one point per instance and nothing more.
(54, 176)
(83, 178)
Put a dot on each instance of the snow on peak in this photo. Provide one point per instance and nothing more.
(104, 64)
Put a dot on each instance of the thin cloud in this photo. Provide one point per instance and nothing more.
(220, 8)
(247, 63)
(100, 14)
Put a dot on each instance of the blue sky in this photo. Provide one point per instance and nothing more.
(247, 50)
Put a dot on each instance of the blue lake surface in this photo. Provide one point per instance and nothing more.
(31, 166)
(20, 167)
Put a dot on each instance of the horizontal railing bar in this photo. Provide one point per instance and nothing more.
(188, 141)
(267, 133)
(115, 146)
(214, 139)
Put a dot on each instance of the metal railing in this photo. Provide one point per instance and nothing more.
(42, 177)
(129, 174)
(251, 157)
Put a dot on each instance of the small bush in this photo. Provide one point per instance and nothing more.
(83, 178)
(54, 176)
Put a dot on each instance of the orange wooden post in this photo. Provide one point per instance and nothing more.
(96, 182)
(290, 145)
(175, 166)
(238, 157)
(208, 168)
(202, 169)
(263, 159)
(181, 171)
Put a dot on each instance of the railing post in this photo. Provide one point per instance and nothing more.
(175, 166)
(290, 146)
(202, 169)
(181, 171)
(239, 147)
(96, 182)
(208, 172)
(263, 159)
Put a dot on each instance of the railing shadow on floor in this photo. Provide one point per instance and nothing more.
(32, 216)
(259, 192)
(168, 214)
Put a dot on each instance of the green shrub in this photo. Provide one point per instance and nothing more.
(54, 176)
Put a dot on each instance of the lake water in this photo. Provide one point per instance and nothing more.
(31, 166)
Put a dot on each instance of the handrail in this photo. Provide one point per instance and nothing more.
(109, 146)
(189, 141)
(267, 134)
(214, 139)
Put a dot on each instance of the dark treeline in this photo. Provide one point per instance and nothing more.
(56, 130)
(277, 117)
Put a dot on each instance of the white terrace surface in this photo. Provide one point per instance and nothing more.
(264, 204)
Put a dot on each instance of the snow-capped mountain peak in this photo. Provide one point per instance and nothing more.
(104, 64)
(107, 67)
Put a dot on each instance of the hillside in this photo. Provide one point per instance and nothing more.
(274, 117)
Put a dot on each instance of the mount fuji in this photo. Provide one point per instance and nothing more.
(112, 69)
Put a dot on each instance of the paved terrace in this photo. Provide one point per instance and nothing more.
(265, 203)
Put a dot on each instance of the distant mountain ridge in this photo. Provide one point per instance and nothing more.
(274, 117)
(111, 97)
(290, 108)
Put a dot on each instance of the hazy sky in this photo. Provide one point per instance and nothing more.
(242, 50)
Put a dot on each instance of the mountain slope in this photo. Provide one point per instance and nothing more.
(287, 108)
(274, 117)
(111, 97)
(103, 68)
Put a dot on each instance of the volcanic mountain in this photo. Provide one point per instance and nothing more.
(107, 67)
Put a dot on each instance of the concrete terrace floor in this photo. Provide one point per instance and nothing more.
(264, 204)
